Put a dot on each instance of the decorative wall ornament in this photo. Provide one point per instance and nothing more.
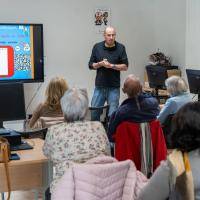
(102, 19)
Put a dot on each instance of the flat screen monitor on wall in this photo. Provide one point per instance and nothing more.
(12, 104)
(21, 53)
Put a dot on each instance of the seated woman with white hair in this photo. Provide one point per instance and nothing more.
(179, 96)
(74, 140)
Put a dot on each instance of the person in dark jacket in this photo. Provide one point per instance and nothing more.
(139, 107)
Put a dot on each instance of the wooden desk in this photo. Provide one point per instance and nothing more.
(30, 172)
(162, 94)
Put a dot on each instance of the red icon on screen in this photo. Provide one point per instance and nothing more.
(6, 61)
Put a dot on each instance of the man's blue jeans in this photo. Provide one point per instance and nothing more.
(101, 95)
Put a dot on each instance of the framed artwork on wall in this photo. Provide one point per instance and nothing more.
(102, 19)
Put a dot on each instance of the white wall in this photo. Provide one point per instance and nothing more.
(170, 29)
(193, 34)
(177, 31)
(142, 25)
(69, 35)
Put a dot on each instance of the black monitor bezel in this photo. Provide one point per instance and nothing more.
(190, 74)
(35, 53)
(154, 83)
(22, 101)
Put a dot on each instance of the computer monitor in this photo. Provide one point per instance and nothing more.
(12, 104)
(156, 77)
(193, 77)
(21, 52)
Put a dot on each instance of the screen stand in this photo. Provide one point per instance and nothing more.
(155, 94)
(1, 124)
(3, 131)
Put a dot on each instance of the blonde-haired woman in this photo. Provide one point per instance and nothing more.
(51, 106)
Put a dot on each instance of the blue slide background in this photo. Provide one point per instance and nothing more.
(18, 37)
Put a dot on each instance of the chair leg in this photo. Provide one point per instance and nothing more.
(36, 195)
(2, 196)
(112, 148)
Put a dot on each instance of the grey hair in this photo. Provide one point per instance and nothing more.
(176, 85)
(74, 104)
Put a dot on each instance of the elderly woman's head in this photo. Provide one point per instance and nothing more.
(54, 91)
(186, 127)
(176, 85)
(74, 104)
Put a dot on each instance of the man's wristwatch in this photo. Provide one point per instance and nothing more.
(114, 66)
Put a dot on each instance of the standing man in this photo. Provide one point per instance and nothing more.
(108, 58)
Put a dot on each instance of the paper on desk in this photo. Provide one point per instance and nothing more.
(17, 125)
(3, 61)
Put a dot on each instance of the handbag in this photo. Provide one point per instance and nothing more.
(4, 158)
(183, 185)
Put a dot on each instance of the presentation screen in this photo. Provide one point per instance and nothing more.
(21, 53)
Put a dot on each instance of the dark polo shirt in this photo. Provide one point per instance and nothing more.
(115, 55)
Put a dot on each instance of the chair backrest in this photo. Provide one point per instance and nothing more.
(46, 122)
(128, 143)
(34, 133)
(103, 110)
(166, 126)
(40, 127)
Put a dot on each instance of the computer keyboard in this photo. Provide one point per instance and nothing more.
(22, 146)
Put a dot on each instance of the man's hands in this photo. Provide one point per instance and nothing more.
(105, 63)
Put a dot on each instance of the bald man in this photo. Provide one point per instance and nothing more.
(108, 58)
(139, 107)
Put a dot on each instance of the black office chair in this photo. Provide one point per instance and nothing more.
(166, 126)
(37, 133)
(43, 123)
(103, 110)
